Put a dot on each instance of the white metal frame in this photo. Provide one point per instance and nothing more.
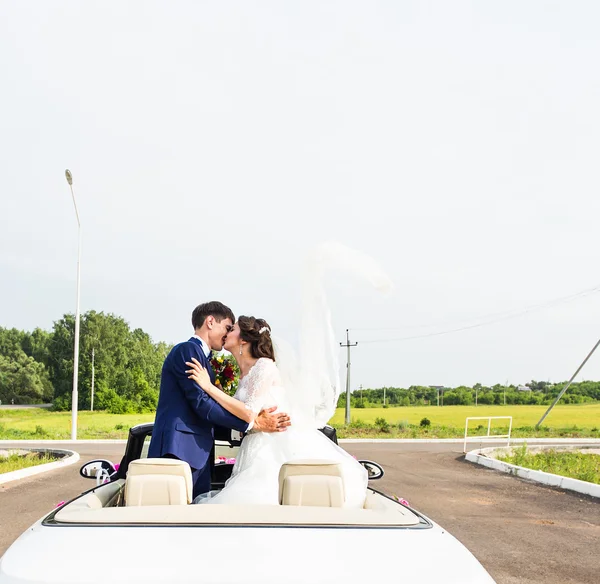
(488, 436)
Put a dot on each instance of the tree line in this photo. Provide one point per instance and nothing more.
(37, 367)
(537, 393)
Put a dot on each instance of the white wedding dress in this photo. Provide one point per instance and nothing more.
(305, 384)
(254, 479)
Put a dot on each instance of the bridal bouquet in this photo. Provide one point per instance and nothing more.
(226, 372)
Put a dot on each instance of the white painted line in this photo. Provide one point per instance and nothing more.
(16, 475)
(343, 440)
(461, 440)
(545, 478)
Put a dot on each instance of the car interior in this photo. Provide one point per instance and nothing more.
(158, 491)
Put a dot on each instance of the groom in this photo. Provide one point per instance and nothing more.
(186, 415)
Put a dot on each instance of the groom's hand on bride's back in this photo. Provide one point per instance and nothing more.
(269, 421)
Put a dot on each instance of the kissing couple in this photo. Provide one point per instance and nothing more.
(190, 406)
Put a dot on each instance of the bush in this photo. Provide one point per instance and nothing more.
(40, 431)
(119, 427)
(62, 403)
(111, 402)
(425, 422)
(403, 425)
(382, 424)
(358, 424)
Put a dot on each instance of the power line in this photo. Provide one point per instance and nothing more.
(515, 312)
(505, 316)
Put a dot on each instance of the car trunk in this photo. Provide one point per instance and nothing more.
(237, 554)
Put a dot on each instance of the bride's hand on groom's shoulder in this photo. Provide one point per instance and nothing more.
(199, 374)
(269, 421)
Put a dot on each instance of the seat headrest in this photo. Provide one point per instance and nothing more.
(158, 481)
(317, 483)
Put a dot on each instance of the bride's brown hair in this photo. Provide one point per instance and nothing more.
(261, 344)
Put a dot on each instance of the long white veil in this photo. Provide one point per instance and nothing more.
(311, 376)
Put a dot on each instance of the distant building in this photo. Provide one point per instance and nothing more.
(523, 388)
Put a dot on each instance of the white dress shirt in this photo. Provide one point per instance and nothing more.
(205, 347)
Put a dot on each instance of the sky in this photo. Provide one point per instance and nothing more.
(213, 144)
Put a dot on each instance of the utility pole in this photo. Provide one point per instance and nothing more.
(361, 397)
(505, 391)
(92, 399)
(348, 345)
(384, 396)
(562, 391)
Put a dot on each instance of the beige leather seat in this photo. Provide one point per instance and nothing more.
(316, 483)
(158, 481)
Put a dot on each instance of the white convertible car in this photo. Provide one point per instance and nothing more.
(139, 527)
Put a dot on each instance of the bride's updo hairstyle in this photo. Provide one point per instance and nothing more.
(260, 343)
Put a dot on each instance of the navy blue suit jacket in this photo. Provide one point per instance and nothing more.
(186, 415)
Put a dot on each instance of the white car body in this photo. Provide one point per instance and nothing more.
(242, 554)
(101, 536)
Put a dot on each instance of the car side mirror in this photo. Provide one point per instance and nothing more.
(374, 470)
(101, 470)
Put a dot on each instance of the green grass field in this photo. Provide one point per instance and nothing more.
(16, 461)
(449, 421)
(577, 465)
(43, 424)
(584, 416)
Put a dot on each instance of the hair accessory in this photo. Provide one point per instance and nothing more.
(263, 329)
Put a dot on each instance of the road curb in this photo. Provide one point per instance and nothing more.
(59, 441)
(71, 458)
(481, 457)
(461, 440)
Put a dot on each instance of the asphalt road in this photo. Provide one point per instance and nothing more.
(520, 531)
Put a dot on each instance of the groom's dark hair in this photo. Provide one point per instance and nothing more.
(214, 308)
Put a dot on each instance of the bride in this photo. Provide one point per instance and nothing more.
(307, 388)
(254, 479)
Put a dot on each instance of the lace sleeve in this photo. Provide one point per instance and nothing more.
(260, 380)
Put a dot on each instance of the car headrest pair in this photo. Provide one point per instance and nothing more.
(166, 481)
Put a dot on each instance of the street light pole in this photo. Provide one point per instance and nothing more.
(76, 348)
(92, 398)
